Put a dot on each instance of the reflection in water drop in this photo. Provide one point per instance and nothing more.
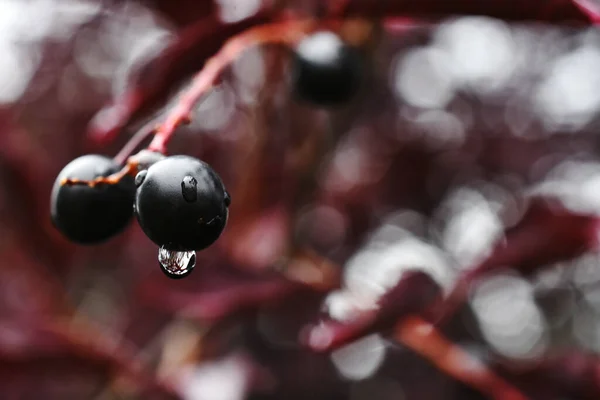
(139, 178)
(189, 189)
(176, 264)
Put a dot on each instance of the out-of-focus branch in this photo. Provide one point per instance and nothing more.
(423, 338)
(548, 233)
(283, 33)
(157, 79)
(411, 295)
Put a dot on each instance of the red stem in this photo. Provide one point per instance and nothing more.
(286, 32)
(133, 143)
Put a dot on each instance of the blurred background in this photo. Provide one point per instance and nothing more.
(424, 170)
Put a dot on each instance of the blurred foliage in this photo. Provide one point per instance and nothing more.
(459, 126)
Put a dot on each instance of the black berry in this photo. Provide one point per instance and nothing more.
(325, 70)
(181, 204)
(89, 215)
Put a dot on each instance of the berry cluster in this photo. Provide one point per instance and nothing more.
(180, 202)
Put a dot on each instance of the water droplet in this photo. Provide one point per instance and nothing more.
(176, 264)
(139, 178)
(188, 189)
(227, 199)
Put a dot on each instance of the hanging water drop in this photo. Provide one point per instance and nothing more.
(176, 264)
(189, 189)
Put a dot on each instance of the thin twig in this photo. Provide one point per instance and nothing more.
(144, 133)
(287, 32)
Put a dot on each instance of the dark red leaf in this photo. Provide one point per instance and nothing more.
(569, 375)
(54, 355)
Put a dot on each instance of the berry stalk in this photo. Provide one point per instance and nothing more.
(282, 33)
(287, 33)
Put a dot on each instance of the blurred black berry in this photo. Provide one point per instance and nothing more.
(325, 70)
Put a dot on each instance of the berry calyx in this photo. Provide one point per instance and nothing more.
(325, 70)
(90, 214)
(181, 204)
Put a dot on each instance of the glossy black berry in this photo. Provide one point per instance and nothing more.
(181, 204)
(325, 70)
(89, 215)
